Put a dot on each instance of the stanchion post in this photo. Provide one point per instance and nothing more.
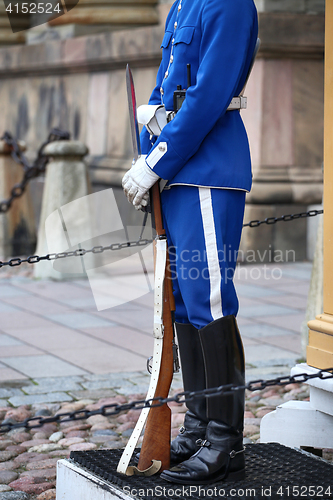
(66, 180)
(17, 225)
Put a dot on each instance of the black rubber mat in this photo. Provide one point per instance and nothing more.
(273, 471)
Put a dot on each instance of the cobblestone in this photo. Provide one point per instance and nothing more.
(18, 414)
(82, 446)
(10, 465)
(15, 448)
(7, 455)
(77, 427)
(20, 437)
(77, 434)
(14, 495)
(33, 442)
(56, 436)
(47, 495)
(42, 464)
(45, 448)
(69, 441)
(4, 487)
(40, 474)
(7, 476)
(4, 444)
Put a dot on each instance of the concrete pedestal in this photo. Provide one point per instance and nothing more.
(303, 424)
(66, 182)
(77, 483)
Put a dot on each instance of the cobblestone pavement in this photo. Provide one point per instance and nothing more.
(28, 459)
(58, 353)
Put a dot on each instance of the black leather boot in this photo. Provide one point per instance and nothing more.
(194, 379)
(221, 454)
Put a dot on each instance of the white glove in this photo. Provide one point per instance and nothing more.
(137, 181)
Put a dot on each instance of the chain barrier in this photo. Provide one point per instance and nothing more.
(80, 252)
(30, 171)
(39, 166)
(34, 259)
(180, 397)
(283, 218)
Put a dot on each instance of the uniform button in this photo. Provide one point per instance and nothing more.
(173, 41)
(161, 148)
(171, 59)
(179, 7)
(166, 74)
(161, 91)
(175, 25)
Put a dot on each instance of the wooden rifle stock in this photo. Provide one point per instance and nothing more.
(156, 441)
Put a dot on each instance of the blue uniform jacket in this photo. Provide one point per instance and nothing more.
(204, 145)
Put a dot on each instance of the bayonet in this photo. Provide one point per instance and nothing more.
(133, 113)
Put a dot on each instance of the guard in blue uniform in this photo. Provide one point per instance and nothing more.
(203, 154)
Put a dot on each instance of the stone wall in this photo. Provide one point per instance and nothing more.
(309, 6)
(79, 84)
(284, 120)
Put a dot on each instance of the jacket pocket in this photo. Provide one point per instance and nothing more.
(166, 39)
(184, 34)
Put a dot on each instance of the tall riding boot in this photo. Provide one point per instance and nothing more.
(221, 454)
(194, 379)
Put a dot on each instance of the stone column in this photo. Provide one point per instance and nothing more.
(284, 121)
(17, 226)
(63, 223)
(320, 348)
(310, 423)
(315, 296)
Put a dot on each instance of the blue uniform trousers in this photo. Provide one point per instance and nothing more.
(203, 228)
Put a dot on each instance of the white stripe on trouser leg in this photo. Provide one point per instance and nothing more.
(212, 252)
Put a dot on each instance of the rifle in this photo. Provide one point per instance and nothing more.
(156, 442)
(155, 451)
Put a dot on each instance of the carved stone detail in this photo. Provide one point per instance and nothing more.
(115, 14)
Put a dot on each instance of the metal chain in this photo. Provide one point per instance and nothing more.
(180, 397)
(80, 252)
(34, 259)
(30, 171)
(284, 218)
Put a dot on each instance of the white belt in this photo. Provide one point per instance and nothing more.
(155, 117)
(161, 253)
(237, 103)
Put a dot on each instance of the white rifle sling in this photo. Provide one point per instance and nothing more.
(161, 253)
